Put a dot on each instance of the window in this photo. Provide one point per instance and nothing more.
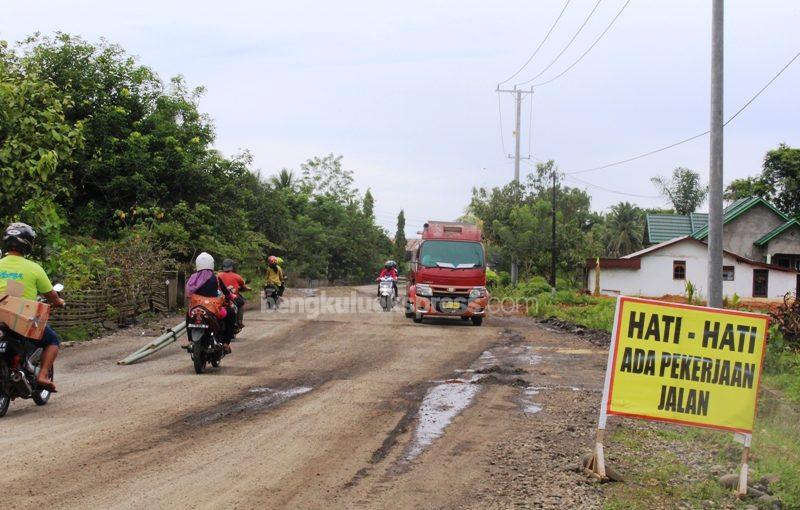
(451, 254)
(678, 269)
(728, 273)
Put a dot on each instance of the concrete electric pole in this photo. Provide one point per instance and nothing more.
(518, 95)
(716, 158)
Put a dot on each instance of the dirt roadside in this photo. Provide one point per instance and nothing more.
(336, 409)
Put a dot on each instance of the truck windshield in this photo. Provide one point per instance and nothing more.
(451, 254)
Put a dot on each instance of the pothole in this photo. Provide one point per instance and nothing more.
(267, 398)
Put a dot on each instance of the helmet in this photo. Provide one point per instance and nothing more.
(204, 261)
(227, 265)
(19, 237)
(272, 260)
(390, 264)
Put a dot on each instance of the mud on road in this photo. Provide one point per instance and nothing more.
(343, 410)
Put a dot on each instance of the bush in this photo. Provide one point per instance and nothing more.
(787, 318)
(533, 287)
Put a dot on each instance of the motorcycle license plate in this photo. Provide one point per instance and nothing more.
(199, 326)
(451, 305)
(3, 346)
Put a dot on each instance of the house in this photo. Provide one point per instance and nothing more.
(761, 254)
(667, 267)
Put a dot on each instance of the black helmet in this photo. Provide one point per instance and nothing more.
(19, 237)
(390, 264)
(227, 265)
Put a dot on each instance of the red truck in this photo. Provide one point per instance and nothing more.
(448, 274)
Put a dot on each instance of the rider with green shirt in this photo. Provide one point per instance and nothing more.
(18, 241)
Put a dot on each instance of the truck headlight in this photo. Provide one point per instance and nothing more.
(424, 290)
(477, 292)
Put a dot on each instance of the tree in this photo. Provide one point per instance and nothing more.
(326, 177)
(400, 238)
(368, 205)
(745, 188)
(781, 176)
(624, 229)
(283, 180)
(37, 141)
(683, 190)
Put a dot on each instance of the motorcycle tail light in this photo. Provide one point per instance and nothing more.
(15, 361)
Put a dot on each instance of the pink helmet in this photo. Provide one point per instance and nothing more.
(272, 260)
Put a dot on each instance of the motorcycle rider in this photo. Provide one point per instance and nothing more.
(390, 270)
(204, 282)
(274, 274)
(231, 279)
(18, 240)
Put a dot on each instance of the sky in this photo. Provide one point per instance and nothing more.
(405, 91)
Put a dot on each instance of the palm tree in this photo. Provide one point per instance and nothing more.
(625, 229)
(284, 180)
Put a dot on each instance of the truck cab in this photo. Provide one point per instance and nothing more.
(448, 274)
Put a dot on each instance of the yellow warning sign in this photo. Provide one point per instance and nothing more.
(686, 364)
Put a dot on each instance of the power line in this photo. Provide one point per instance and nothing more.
(530, 128)
(587, 51)
(538, 47)
(500, 113)
(699, 135)
(567, 46)
(609, 190)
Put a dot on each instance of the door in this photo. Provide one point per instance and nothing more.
(760, 283)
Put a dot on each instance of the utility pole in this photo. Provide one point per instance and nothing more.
(518, 95)
(716, 158)
(553, 249)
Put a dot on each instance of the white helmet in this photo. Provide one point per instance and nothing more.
(204, 261)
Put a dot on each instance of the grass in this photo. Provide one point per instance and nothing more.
(776, 438)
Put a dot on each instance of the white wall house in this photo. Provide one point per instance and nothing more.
(665, 268)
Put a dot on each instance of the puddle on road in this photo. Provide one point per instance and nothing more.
(267, 398)
(447, 399)
(440, 406)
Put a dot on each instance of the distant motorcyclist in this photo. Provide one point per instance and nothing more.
(390, 270)
(204, 282)
(233, 281)
(274, 274)
(18, 241)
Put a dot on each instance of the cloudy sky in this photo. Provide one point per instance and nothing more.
(405, 90)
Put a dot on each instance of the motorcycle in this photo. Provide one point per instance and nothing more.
(386, 293)
(204, 330)
(271, 296)
(19, 368)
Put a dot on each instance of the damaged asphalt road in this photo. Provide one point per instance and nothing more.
(341, 410)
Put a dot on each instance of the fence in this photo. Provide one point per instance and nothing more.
(120, 307)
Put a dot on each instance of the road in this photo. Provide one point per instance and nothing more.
(344, 408)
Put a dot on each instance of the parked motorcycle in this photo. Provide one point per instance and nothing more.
(204, 330)
(19, 368)
(271, 296)
(386, 293)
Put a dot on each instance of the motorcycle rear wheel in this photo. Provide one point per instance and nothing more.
(199, 359)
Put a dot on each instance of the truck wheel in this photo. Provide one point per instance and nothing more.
(477, 321)
(409, 310)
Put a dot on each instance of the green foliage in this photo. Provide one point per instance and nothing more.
(93, 145)
(400, 238)
(779, 181)
(624, 229)
(517, 222)
(691, 290)
(684, 190)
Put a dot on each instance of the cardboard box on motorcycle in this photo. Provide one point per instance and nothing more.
(23, 316)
